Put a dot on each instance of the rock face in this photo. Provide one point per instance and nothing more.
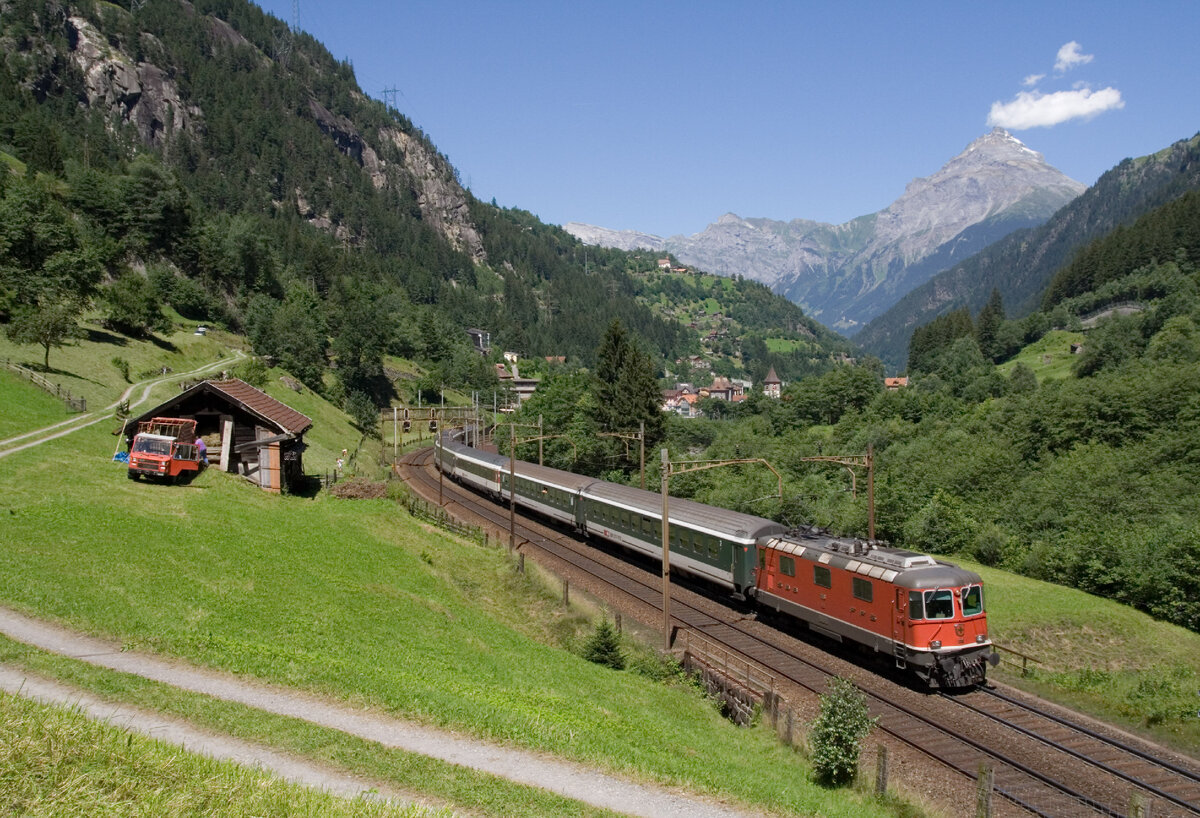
(136, 92)
(143, 95)
(846, 274)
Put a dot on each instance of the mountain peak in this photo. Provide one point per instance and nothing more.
(1000, 142)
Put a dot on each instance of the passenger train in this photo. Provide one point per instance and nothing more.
(926, 615)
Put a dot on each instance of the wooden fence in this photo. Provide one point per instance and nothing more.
(72, 404)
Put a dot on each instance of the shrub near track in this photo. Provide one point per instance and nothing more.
(335, 597)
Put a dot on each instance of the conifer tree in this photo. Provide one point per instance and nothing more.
(604, 647)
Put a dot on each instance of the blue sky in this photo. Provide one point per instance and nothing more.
(663, 116)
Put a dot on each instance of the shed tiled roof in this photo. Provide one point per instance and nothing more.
(262, 404)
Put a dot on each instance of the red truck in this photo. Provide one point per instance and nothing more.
(164, 449)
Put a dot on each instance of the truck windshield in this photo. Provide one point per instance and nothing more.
(972, 600)
(152, 445)
(939, 604)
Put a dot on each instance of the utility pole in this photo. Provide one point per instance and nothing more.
(852, 462)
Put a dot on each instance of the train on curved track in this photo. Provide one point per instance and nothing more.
(924, 614)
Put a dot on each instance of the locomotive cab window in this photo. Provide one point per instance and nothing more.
(862, 589)
(822, 576)
(916, 605)
(787, 566)
(972, 600)
(939, 604)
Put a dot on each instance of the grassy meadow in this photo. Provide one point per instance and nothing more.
(56, 761)
(1049, 357)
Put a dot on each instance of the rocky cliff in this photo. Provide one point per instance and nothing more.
(142, 94)
(846, 274)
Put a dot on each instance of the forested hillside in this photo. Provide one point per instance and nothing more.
(205, 160)
(1021, 266)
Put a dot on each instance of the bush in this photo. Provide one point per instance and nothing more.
(253, 371)
(604, 647)
(837, 734)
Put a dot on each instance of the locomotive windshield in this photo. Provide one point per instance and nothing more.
(933, 604)
(972, 600)
(939, 604)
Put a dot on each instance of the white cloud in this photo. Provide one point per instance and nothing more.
(1070, 56)
(1033, 109)
(1032, 79)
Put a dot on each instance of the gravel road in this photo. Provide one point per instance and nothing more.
(525, 767)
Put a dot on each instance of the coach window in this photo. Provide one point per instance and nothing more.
(939, 604)
(787, 566)
(916, 605)
(822, 577)
(861, 589)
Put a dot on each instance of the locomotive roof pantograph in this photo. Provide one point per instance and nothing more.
(898, 565)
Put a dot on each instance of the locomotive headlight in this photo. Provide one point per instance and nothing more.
(980, 637)
(936, 644)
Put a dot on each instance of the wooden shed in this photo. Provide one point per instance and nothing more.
(246, 431)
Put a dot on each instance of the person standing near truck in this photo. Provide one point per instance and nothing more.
(202, 450)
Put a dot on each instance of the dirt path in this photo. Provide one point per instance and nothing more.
(522, 766)
(66, 427)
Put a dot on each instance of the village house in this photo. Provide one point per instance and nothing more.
(481, 340)
(772, 386)
(892, 384)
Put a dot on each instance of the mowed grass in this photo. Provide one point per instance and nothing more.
(355, 601)
(26, 407)
(1097, 655)
(1049, 357)
(56, 761)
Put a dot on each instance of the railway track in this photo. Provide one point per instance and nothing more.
(1040, 762)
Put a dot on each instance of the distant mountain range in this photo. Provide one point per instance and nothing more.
(845, 275)
(1022, 265)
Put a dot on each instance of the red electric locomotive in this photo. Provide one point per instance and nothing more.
(926, 614)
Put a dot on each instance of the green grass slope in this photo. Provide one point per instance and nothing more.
(55, 761)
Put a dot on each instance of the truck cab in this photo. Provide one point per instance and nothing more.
(164, 449)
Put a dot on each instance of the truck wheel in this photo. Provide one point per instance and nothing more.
(132, 475)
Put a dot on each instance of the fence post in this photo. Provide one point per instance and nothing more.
(983, 791)
(881, 770)
(521, 563)
(566, 593)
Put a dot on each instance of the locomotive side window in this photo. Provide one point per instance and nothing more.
(787, 566)
(862, 589)
(939, 604)
(822, 577)
(916, 605)
(762, 559)
(972, 600)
